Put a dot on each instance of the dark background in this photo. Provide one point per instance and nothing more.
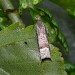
(66, 24)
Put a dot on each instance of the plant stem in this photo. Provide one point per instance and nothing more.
(14, 16)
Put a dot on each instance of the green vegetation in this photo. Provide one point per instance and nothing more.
(19, 52)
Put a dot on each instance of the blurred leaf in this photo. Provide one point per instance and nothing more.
(52, 34)
(62, 40)
(23, 4)
(28, 3)
(2, 72)
(22, 59)
(69, 5)
(70, 68)
(3, 19)
(73, 73)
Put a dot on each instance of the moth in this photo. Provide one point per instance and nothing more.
(42, 40)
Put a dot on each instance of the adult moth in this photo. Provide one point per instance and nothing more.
(42, 40)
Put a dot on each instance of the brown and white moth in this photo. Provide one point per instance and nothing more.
(42, 40)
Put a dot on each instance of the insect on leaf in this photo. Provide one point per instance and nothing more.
(42, 39)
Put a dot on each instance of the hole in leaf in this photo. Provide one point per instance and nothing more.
(25, 43)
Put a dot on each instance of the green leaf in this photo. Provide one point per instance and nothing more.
(69, 5)
(20, 58)
(11, 34)
(24, 59)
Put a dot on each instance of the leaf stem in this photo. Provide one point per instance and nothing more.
(13, 15)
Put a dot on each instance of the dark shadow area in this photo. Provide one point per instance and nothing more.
(46, 59)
